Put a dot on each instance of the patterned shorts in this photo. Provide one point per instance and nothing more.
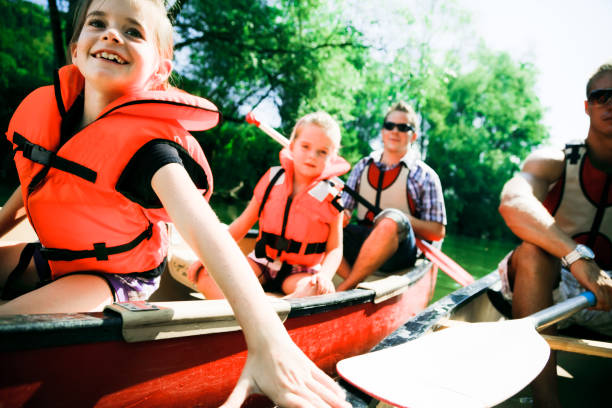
(271, 269)
(569, 287)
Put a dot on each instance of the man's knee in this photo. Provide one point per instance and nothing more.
(532, 262)
(392, 222)
(386, 229)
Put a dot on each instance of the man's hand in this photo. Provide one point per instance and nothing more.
(592, 277)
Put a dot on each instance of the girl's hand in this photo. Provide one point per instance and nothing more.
(323, 284)
(290, 380)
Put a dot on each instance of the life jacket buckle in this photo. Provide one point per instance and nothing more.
(281, 243)
(149, 230)
(41, 155)
(100, 251)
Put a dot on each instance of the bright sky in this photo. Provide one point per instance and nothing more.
(566, 40)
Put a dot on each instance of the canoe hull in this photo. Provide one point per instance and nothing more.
(196, 370)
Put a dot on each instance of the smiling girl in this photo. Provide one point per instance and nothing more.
(105, 158)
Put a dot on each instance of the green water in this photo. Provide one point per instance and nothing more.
(476, 256)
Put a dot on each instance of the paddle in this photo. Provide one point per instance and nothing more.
(450, 267)
(468, 365)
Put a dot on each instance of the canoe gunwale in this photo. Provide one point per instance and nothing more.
(430, 318)
(27, 332)
(324, 303)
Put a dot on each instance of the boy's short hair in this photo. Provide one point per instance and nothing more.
(402, 106)
(605, 69)
(322, 119)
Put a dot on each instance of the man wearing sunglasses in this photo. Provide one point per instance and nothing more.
(406, 189)
(560, 205)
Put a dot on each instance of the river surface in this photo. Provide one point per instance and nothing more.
(477, 256)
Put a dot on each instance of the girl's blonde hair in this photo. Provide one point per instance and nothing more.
(322, 120)
(163, 33)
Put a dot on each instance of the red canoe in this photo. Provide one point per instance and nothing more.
(187, 352)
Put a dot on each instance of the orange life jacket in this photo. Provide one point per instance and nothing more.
(69, 190)
(295, 231)
(581, 203)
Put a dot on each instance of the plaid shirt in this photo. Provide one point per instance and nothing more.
(422, 183)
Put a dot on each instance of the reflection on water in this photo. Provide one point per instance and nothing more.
(476, 256)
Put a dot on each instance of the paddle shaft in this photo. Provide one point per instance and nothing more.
(551, 315)
(450, 267)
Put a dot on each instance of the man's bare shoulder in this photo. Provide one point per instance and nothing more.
(545, 164)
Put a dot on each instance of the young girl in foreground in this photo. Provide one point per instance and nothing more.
(299, 246)
(104, 157)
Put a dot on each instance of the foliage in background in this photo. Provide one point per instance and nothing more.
(479, 114)
(476, 142)
(300, 55)
(26, 62)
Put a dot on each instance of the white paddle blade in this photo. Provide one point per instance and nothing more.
(476, 365)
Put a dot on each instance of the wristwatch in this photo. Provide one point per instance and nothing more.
(580, 252)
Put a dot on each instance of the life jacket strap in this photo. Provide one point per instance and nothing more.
(48, 158)
(101, 252)
(286, 245)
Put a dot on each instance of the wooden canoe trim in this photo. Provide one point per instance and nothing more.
(386, 288)
(581, 346)
(179, 319)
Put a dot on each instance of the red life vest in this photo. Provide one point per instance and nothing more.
(69, 190)
(581, 202)
(385, 189)
(295, 230)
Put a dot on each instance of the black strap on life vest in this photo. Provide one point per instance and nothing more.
(268, 189)
(100, 251)
(279, 242)
(572, 153)
(286, 245)
(601, 209)
(48, 158)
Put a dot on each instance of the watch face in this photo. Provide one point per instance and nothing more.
(585, 251)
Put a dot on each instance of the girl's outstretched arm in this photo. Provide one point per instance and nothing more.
(245, 221)
(333, 249)
(275, 365)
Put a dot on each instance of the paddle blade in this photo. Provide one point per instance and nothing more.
(450, 267)
(476, 365)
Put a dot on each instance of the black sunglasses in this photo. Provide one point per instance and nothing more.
(402, 127)
(600, 96)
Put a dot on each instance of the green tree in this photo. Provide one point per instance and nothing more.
(477, 142)
(300, 55)
(26, 62)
